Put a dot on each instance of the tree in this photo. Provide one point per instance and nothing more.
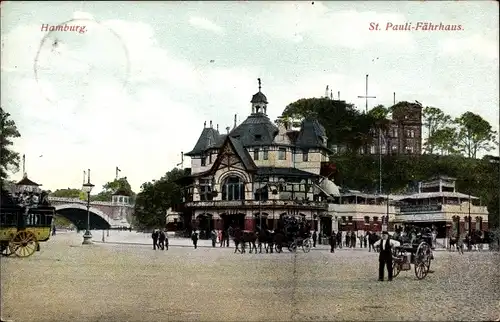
(112, 187)
(379, 112)
(9, 159)
(434, 120)
(474, 134)
(345, 126)
(444, 140)
(67, 193)
(156, 197)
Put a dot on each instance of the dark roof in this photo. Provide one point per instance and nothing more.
(121, 192)
(286, 172)
(242, 153)
(209, 138)
(311, 134)
(259, 98)
(27, 182)
(257, 129)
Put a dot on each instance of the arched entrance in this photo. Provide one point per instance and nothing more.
(205, 225)
(326, 225)
(233, 221)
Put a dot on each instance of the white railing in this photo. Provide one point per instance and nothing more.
(76, 200)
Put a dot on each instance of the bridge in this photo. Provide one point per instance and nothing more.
(103, 215)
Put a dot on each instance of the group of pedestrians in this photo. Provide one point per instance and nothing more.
(160, 239)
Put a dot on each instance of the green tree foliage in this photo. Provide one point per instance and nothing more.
(474, 134)
(345, 126)
(443, 141)
(9, 159)
(67, 193)
(112, 187)
(434, 120)
(155, 198)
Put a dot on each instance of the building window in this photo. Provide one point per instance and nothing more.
(349, 218)
(375, 219)
(305, 155)
(258, 137)
(383, 149)
(395, 133)
(479, 222)
(210, 158)
(282, 154)
(256, 154)
(206, 190)
(367, 219)
(343, 219)
(373, 149)
(233, 189)
(409, 149)
(203, 160)
(265, 155)
(394, 148)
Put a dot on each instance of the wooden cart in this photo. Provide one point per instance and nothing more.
(420, 255)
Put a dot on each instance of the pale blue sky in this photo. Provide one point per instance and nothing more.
(85, 118)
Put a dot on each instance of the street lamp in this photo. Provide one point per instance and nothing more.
(87, 188)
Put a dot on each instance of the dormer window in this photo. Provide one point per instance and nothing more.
(265, 155)
(203, 160)
(256, 154)
(305, 155)
(258, 137)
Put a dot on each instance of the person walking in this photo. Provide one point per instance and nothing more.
(214, 237)
(333, 241)
(194, 238)
(315, 237)
(161, 240)
(339, 239)
(385, 256)
(155, 236)
(166, 240)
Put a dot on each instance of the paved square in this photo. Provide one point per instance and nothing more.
(110, 282)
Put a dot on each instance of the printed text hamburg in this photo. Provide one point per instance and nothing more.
(419, 26)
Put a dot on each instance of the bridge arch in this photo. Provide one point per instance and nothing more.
(77, 214)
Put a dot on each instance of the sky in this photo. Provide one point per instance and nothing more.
(135, 87)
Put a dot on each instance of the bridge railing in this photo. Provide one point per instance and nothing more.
(76, 200)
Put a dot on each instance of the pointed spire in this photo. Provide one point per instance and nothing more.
(331, 94)
(338, 95)
(227, 129)
(235, 120)
(260, 85)
(326, 91)
(205, 124)
(211, 126)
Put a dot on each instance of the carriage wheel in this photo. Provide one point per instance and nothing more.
(292, 247)
(24, 244)
(306, 246)
(423, 254)
(278, 248)
(421, 270)
(395, 269)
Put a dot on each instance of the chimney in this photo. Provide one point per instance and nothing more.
(217, 127)
(338, 95)
(235, 120)
(211, 124)
(227, 129)
(205, 124)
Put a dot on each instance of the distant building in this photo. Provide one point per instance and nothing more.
(404, 135)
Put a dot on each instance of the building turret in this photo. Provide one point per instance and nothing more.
(259, 102)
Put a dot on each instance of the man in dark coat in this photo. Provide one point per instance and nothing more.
(385, 256)
(315, 237)
(333, 241)
(161, 240)
(213, 235)
(194, 238)
(155, 236)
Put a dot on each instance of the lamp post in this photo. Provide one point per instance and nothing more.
(87, 188)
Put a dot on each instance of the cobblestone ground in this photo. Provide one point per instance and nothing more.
(103, 282)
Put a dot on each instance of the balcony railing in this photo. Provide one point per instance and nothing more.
(257, 203)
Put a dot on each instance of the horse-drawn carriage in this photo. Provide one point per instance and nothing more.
(295, 233)
(418, 254)
(25, 221)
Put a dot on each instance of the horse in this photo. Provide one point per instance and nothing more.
(250, 237)
(372, 238)
(265, 237)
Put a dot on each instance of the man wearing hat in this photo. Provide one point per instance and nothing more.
(385, 256)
